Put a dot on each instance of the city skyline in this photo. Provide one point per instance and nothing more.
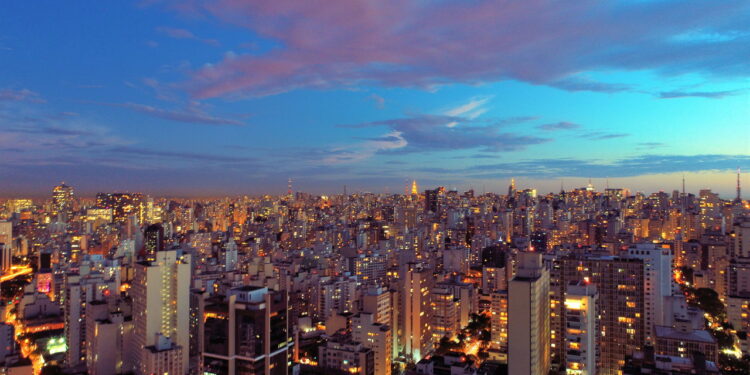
(226, 98)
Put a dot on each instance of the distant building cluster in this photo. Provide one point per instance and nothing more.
(437, 282)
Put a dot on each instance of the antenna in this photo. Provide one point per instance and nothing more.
(289, 187)
(683, 184)
(739, 195)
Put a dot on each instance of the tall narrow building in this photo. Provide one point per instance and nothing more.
(416, 329)
(153, 240)
(529, 317)
(62, 201)
(580, 328)
(161, 311)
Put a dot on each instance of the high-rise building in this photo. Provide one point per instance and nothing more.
(161, 304)
(529, 317)
(6, 233)
(6, 257)
(580, 329)
(246, 332)
(122, 205)
(153, 240)
(106, 333)
(375, 336)
(62, 201)
(619, 282)
(499, 325)
(416, 312)
(444, 313)
(657, 284)
(80, 290)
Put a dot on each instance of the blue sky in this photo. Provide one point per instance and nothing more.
(231, 96)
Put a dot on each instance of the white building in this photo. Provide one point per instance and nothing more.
(529, 317)
(161, 304)
(580, 329)
(657, 284)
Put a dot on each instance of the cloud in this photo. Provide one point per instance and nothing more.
(426, 44)
(698, 94)
(585, 84)
(471, 110)
(365, 150)
(177, 33)
(562, 125)
(178, 155)
(432, 133)
(650, 145)
(626, 167)
(379, 100)
(515, 120)
(22, 95)
(601, 136)
(191, 114)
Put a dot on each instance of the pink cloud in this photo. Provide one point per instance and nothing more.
(335, 43)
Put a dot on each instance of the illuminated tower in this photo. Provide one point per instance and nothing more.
(414, 190)
(289, 188)
(62, 200)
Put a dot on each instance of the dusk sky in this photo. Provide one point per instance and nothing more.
(235, 97)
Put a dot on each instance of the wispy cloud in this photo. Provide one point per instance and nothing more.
(424, 44)
(378, 100)
(431, 133)
(650, 145)
(628, 167)
(600, 136)
(698, 94)
(192, 114)
(470, 110)
(562, 125)
(22, 95)
(178, 155)
(584, 84)
(177, 33)
(364, 150)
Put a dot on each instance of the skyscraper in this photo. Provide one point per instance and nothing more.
(528, 317)
(62, 201)
(619, 282)
(153, 241)
(657, 284)
(417, 311)
(246, 332)
(161, 304)
(580, 328)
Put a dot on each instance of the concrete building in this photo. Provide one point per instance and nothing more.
(161, 308)
(246, 332)
(580, 329)
(347, 356)
(416, 303)
(376, 336)
(529, 317)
